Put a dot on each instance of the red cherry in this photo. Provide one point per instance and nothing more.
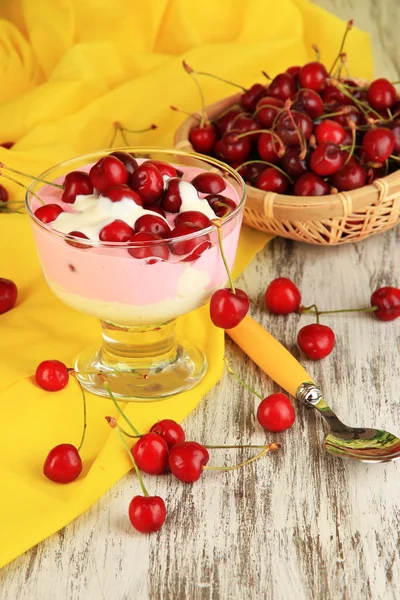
(267, 110)
(193, 217)
(332, 95)
(268, 148)
(8, 294)
(117, 231)
(316, 340)
(282, 86)
(156, 209)
(330, 131)
(48, 212)
(7, 145)
(151, 454)
(221, 205)
(352, 114)
(52, 375)
(246, 124)
(381, 94)
(313, 75)
(63, 464)
(272, 180)
(209, 183)
(234, 149)
(326, 159)
(170, 431)
(292, 164)
(251, 171)
(249, 98)
(186, 461)
(203, 138)
(395, 127)
(116, 193)
(127, 159)
(293, 71)
(3, 194)
(108, 171)
(228, 309)
(310, 184)
(224, 123)
(164, 167)
(172, 198)
(276, 413)
(76, 183)
(309, 102)
(147, 181)
(77, 234)
(289, 133)
(282, 296)
(153, 224)
(388, 301)
(146, 248)
(378, 144)
(350, 177)
(193, 247)
(147, 513)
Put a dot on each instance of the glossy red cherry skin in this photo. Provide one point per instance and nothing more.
(381, 94)
(63, 464)
(395, 127)
(309, 102)
(186, 461)
(156, 209)
(203, 138)
(293, 71)
(3, 194)
(72, 242)
(108, 171)
(209, 183)
(326, 159)
(332, 95)
(127, 159)
(52, 375)
(48, 213)
(292, 164)
(329, 131)
(172, 199)
(316, 341)
(267, 110)
(353, 113)
(147, 514)
(282, 86)
(153, 224)
(165, 168)
(276, 413)
(282, 296)
(193, 217)
(388, 301)
(313, 75)
(234, 149)
(227, 309)
(249, 98)
(8, 294)
(268, 148)
(151, 454)
(76, 183)
(148, 182)
(117, 231)
(310, 184)
(288, 132)
(170, 430)
(191, 249)
(116, 193)
(224, 123)
(350, 177)
(272, 180)
(378, 144)
(221, 205)
(146, 248)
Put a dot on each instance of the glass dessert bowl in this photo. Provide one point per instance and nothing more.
(165, 264)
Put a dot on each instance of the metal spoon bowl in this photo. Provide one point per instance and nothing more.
(355, 443)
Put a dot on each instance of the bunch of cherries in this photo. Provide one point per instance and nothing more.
(163, 449)
(317, 341)
(308, 132)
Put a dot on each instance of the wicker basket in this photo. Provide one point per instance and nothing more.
(325, 220)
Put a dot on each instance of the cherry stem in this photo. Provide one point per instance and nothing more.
(184, 112)
(117, 428)
(394, 157)
(334, 114)
(313, 308)
(57, 185)
(266, 75)
(149, 128)
(121, 412)
(352, 126)
(348, 27)
(265, 162)
(192, 73)
(84, 410)
(217, 224)
(300, 135)
(365, 108)
(23, 186)
(307, 310)
(317, 52)
(236, 376)
(218, 78)
(269, 448)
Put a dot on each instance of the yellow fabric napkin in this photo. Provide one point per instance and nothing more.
(69, 70)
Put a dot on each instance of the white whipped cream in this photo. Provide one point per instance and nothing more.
(92, 213)
(191, 200)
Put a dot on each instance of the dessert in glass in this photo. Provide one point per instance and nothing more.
(126, 235)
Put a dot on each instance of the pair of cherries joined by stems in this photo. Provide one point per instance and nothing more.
(317, 341)
(164, 448)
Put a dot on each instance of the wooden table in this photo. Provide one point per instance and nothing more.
(295, 525)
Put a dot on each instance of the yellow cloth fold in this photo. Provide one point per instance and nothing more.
(69, 69)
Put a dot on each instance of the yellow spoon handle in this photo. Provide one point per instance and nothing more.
(269, 354)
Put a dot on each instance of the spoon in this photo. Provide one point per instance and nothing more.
(356, 443)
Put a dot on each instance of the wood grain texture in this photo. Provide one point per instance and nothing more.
(297, 524)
